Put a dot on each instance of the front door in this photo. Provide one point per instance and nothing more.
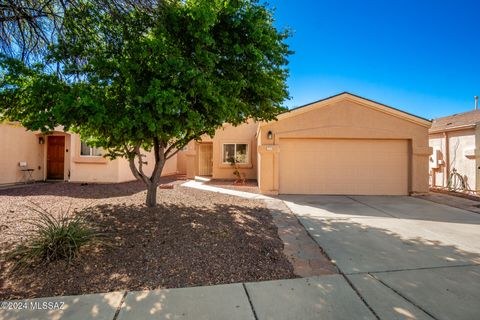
(55, 157)
(205, 159)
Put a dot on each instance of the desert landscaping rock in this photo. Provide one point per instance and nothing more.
(191, 238)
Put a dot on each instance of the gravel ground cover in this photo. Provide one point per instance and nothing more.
(191, 238)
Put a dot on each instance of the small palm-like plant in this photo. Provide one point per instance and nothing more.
(53, 238)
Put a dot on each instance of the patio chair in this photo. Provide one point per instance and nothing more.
(27, 173)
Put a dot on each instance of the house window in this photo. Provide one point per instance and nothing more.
(237, 152)
(87, 151)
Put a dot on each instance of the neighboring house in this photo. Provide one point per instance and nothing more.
(344, 144)
(454, 140)
(61, 156)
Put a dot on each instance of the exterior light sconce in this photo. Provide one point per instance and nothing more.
(270, 135)
(41, 140)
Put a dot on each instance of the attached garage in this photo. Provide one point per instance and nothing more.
(344, 145)
(344, 166)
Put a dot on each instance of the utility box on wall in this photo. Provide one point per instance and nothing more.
(436, 159)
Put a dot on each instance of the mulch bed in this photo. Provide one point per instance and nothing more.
(191, 238)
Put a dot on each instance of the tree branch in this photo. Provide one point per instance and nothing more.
(137, 172)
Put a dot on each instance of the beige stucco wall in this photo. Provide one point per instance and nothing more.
(244, 133)
(182, 161)
(462, 155)
(345, 118)
(170, 166)
(437, 165)
(125, 174)
(17, 144)
(454, 149)
(190, 156)
(91, 169)
(99, 169)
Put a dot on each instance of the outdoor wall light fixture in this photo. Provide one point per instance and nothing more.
(269, 135)
(41, 140)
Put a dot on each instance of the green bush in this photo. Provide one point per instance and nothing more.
(53, 238)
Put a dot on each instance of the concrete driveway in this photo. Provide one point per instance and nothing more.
(408, 258)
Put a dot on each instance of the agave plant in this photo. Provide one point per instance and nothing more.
(53, 238)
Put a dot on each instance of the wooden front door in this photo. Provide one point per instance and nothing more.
(205, 159)
(55, 157)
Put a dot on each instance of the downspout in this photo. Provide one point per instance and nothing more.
(434, 176)
(477, 157)
(447, 159)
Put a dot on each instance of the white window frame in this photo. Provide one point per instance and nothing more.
(91, 155)
(235, 152)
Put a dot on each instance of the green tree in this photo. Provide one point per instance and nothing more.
(153, 81)
(28, 27)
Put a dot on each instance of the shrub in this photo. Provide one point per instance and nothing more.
(53, 238)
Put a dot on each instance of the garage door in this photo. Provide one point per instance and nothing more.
(341, 166)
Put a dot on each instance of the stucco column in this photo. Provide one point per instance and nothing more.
(419, 165)
(268, 168)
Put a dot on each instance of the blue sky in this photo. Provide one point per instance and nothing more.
(419, 56)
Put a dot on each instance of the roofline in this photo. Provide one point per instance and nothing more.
(456, 128)
(407, 115)
(360, 97)
(455, 114)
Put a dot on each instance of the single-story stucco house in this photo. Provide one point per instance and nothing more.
(344, 144)
(454, 140)
(60, 156)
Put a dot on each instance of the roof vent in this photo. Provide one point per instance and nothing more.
(449, 123)
(476, 102)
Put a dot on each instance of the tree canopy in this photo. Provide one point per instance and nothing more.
(28, 27)
(134, 79)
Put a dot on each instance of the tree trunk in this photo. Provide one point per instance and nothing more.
(151, 195)
(153, 181)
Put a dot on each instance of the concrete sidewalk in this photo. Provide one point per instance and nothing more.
(325, 297)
